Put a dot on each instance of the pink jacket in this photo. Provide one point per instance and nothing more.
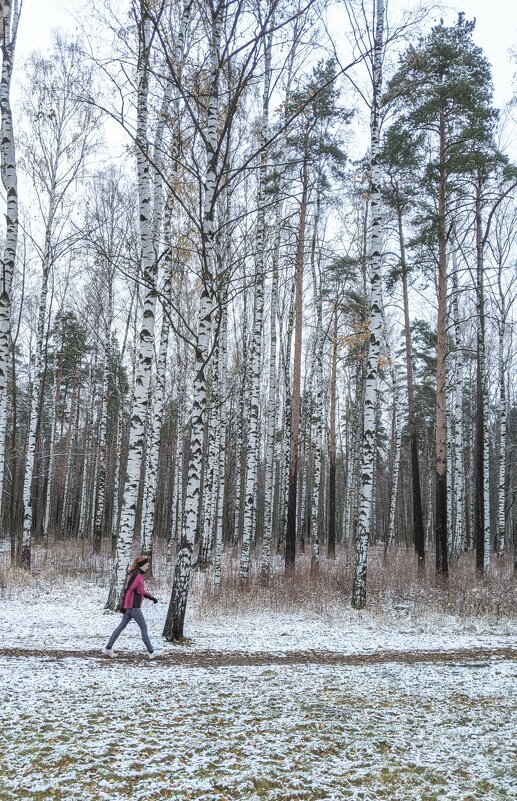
(134, 596)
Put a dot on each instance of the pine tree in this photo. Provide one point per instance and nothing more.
(443, 87)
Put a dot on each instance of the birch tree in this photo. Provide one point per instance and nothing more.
(61, 138)
(375, 259)
(10, 15)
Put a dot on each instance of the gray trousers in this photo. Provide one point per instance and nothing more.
(138, 617)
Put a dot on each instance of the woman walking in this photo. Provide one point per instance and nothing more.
(134, 593)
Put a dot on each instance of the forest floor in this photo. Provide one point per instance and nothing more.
(211, 659)
(259, 704)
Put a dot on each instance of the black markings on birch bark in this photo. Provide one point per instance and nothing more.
(375, 256)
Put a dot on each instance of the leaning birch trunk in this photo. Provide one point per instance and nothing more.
(140, 398)
(8, 31)
(174, 623)
(258, 318)
(375, 255)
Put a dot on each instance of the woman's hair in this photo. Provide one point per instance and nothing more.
(140, 561)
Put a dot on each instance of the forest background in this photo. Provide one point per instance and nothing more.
(258, 296)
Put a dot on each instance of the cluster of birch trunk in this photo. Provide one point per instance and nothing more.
(226, 342)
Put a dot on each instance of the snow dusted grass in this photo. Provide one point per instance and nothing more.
(89, 728)
(104, 730)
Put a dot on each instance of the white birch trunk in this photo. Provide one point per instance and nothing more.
(318, 379)
(176, 615)
(501, 457)
(10, 12)
(450, 471)
(177, 501)
(140, 399)
(159, 395)
(241, 425)
(98, 525)
(25, 560)
(486, 479)
(210, 484)
(116, 479)
(285, 452)
(258, 318)
(52, 458)
(170, 98)
(271, 407)
(399, 417)
(223, 423)
(458, 472)
(83, 513)
(369, 434)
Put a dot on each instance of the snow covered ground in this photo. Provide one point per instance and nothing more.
(91, 728)
(71, 615)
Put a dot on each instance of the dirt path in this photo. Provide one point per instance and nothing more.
(215, 659)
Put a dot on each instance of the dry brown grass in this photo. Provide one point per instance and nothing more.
(393, 583)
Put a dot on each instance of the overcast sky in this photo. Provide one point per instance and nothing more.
(496, 31)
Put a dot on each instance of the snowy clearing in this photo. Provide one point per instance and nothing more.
(84, 730)
(71, 615)
(90, 728)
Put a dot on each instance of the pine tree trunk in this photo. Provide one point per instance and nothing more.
(290, 538)
(418, 518)
(441, 426)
